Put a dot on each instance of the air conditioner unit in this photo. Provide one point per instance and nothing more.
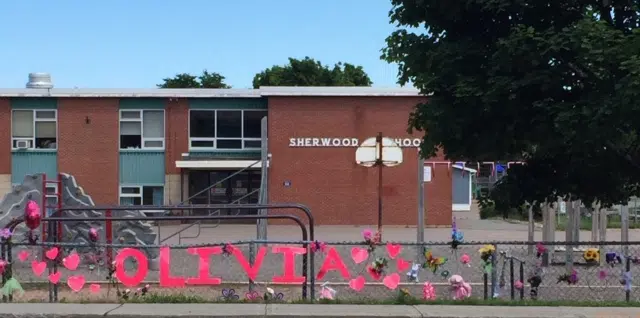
(23, 144)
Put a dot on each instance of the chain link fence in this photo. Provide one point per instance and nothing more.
(600, 271)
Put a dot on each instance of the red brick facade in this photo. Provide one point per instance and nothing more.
(176, 132)
(328, 180)
(88, 145)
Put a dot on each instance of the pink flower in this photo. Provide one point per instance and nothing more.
(3, 266)
(93, 234)
(518, 285)
(465, 259)
(428, 291)
(367, 234)
(602, 275)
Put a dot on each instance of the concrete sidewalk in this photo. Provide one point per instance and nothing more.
(39, 310)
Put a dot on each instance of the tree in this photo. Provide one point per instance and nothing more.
(309, 72)
(555, 84)
(185, 80)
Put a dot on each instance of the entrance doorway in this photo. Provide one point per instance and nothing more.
(241, 188)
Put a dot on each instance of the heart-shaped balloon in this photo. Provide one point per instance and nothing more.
(52, 253)
(71, 262)
(76, 282)
(392, 281)
(23, 256)
(54, 278)
(359, 255)
(38, 267)
(94, 288)
(393, 250)
(402, 265)
(357, 284)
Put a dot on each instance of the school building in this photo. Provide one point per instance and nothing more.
(163, 146)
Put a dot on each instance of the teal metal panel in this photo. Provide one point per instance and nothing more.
(142, 103)
(24, 162)
(34, 103)
(228, 103)
(226, 154)
(142, 167)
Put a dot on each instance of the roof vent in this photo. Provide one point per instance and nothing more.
(39, 80)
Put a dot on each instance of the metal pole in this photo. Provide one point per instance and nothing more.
(379, 164)
(531, 236)
(420, 228)
(264, 178)
(569, 235)
(624, 230)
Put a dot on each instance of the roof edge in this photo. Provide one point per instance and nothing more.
(335, 91)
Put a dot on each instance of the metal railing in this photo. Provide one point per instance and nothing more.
(187, 200)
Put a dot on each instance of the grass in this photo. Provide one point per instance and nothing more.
(399, 300)
(613, 222)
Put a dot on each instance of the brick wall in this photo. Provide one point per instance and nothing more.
(328, 180)
(177, 132)
(89, 150)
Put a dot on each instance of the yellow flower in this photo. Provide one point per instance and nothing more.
(487, 249)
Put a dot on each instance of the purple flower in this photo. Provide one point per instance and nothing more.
(5, 234)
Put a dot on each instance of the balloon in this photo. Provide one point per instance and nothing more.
(93, 234)
(32, 216)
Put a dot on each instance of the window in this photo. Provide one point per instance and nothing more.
(141, 195)
(225, 129)
(34, 129)
(141, 129)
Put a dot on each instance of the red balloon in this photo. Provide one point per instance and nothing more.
(32, 215)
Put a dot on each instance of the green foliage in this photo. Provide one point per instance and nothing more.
(555, 84)
(309, 72)
(185, 80)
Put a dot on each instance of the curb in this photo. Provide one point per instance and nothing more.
(45, 310)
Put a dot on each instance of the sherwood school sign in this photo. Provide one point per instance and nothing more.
(344, 142)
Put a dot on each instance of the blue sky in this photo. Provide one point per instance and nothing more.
(136, 43)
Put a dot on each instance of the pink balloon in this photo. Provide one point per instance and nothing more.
(32, 215)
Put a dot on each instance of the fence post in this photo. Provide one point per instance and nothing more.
(511, 278)
(522, 280)
(627, 268)
(252, 259)
(494, 275)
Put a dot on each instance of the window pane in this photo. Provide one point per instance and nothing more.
(202, 123)
(22, 125)
(130, 201)
(202, 143)
(152, 195)
(153, 124)
(130, 114)
(46, 129)
(229, 123)
(252, 143)
(229, 144)
(46, 114)
(253, 123)
(130, 128)
(153, 143)
(130, 190)
(130, 141)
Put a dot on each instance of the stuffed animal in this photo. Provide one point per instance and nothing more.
(459, 288)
